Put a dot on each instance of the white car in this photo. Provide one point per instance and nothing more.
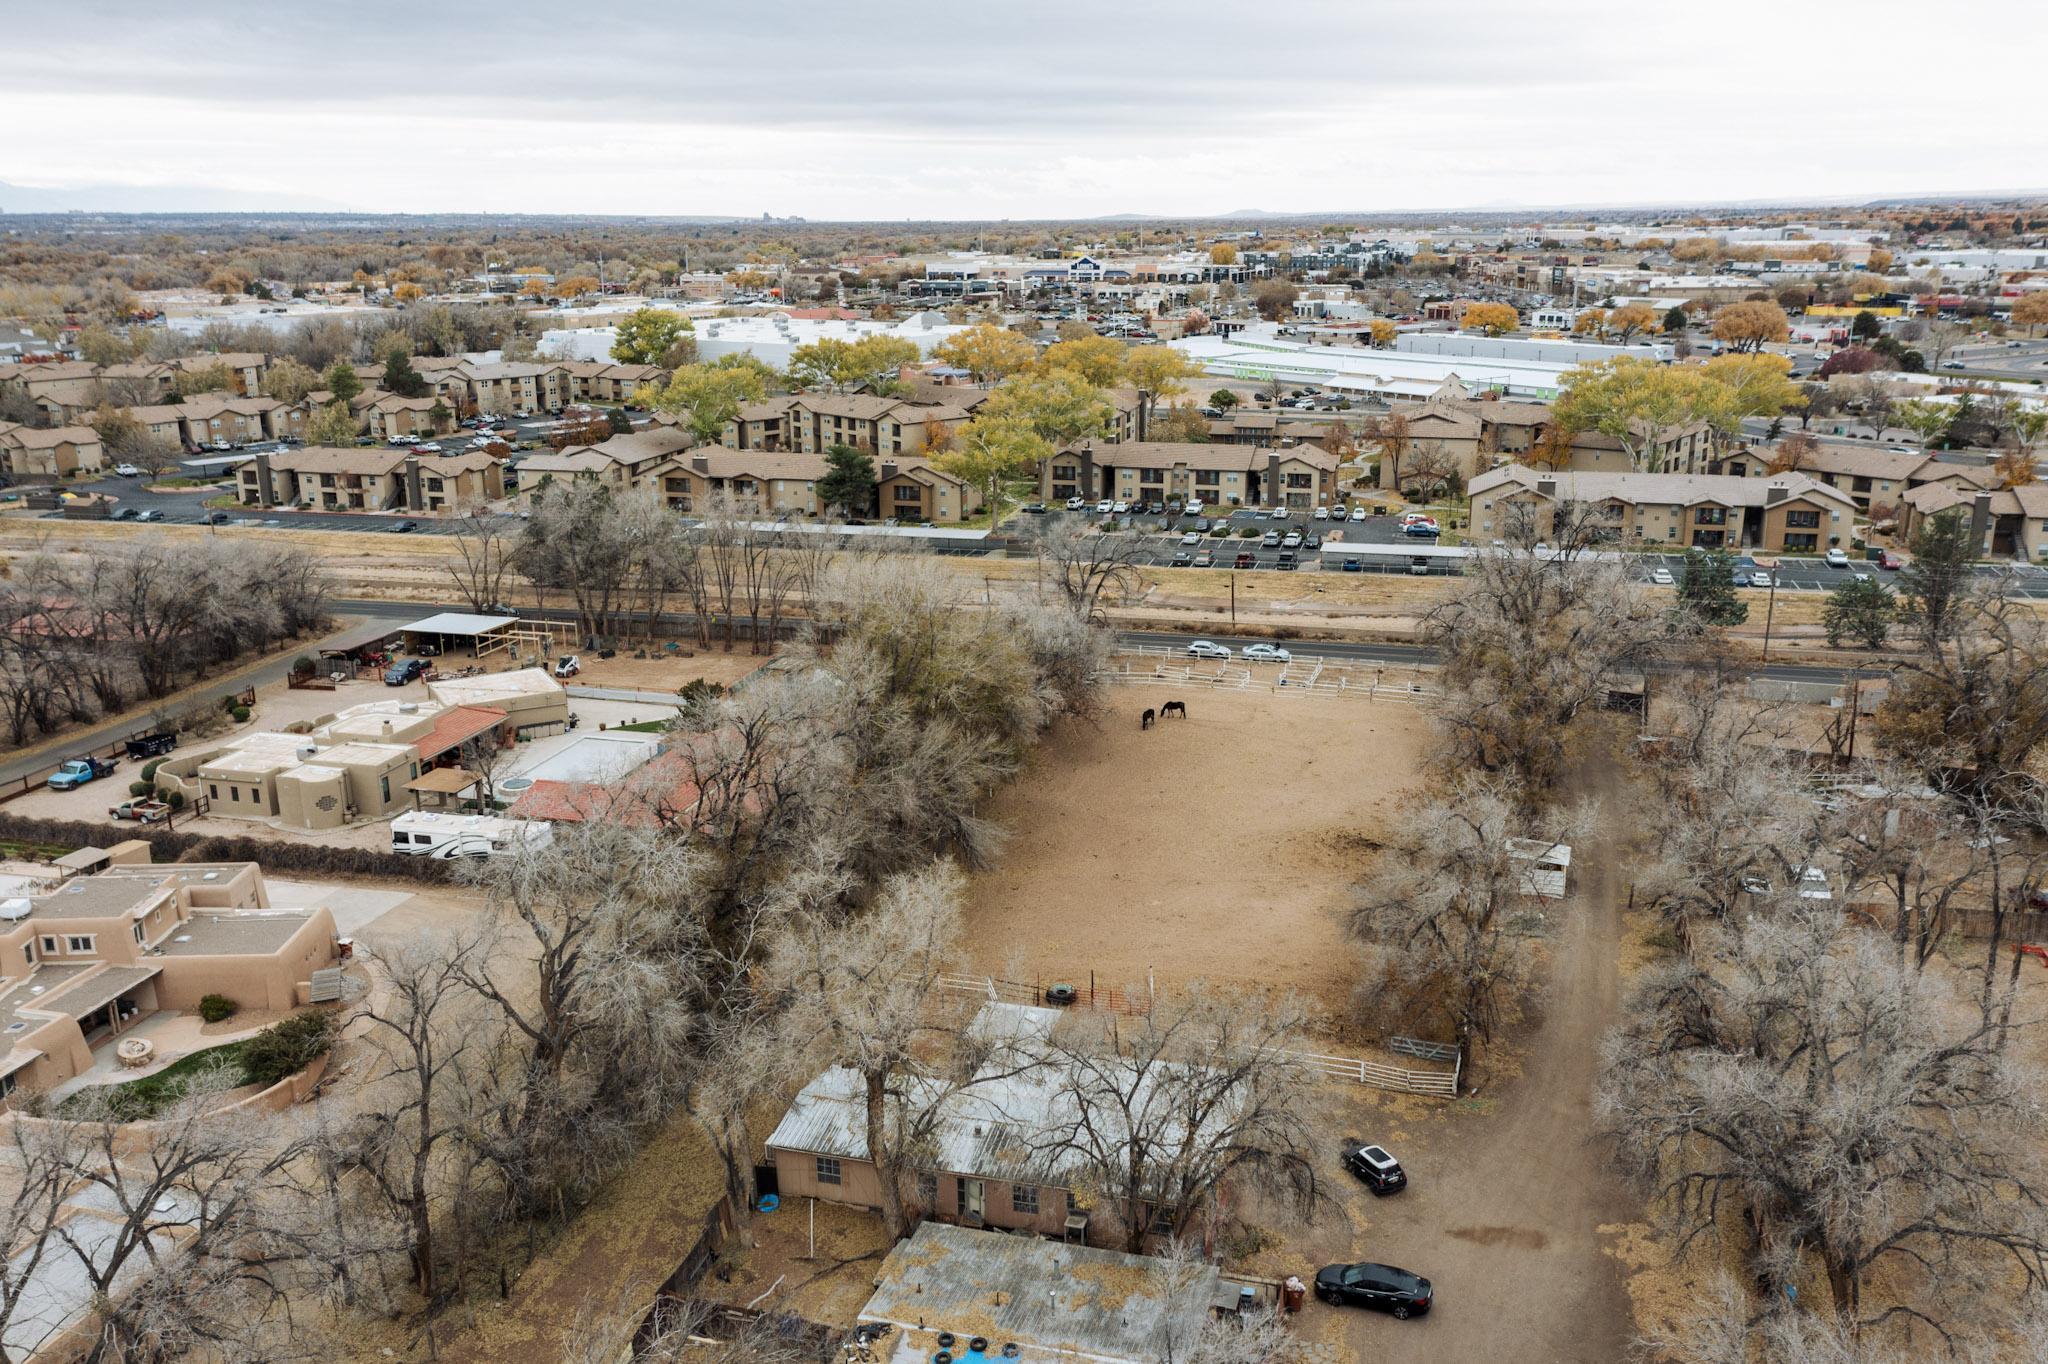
(1266, 653)
(1119, 508)
(127, 471)
(1105, 507)
(1358, 513)
(1192, 509)
(1837, 558)
(1759, 578)
(1322, 513)
(1278, 513)
(1193, 537)
(1077, 504)
(1202, 648)
(1293, 540)
(1662, 577)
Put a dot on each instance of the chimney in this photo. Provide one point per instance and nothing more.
(265, 497)
(888, 471)
(413, 500)
(1776, 493)
(1980, 518)
(1273, 497)
(700, 464)
(1547, 488)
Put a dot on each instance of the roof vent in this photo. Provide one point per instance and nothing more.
(209, 876)
(182, 937)
(17, 1027)
(14, 911)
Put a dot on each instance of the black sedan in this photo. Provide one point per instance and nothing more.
(1380, 1287)
(1380, 1171)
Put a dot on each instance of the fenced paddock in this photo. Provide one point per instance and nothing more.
(1134, 1003)
(1297, 678)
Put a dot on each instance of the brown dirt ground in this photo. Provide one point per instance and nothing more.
(780, 1272)
(1215, 847)
(668, 672)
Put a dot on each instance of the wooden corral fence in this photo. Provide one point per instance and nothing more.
(1441, 1083)
(1237, 679)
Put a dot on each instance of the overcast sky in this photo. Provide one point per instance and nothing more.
(923, 109)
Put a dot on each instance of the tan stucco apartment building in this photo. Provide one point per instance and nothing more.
(1300, 477)
(1789, 514)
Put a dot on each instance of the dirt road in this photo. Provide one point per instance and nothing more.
(1505, 1202)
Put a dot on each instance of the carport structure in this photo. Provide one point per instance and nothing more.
(478, 636)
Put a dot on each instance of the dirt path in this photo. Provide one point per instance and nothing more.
(1505, 1206)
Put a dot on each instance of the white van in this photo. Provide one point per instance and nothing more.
(425, 833)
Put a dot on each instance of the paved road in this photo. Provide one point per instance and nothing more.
(392, 613)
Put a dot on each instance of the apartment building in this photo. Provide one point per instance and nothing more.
(623, 462)
(2005, 522)
(1786, 514)
(765, 425)
(246, 367)
(50, 452)
(815, 422)
(784, 484)
(391, 415)
(85, 957)
(600, 381)
(1300, 477)
(517, 387)
(330, 478)
(1876, 480)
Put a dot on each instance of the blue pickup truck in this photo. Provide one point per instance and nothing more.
(78, 771)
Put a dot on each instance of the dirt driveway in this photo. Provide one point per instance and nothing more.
(1508, 1193)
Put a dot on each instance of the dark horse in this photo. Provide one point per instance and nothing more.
(1179, 708)
(1145, 720)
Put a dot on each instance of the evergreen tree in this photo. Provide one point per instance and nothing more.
(849, 481)
(1706, 588)
(342, 381)
(1861, 610)
(1676, 321)
(1932, 585)
(400, 377)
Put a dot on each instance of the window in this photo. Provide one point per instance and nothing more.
(1207, 478)
(49, 945)
(138, 930)
(384, 785)
(7, 1083)
(212, 791)
(828, 1169)
(78, 942)
(1710, 516)
(234, 793)
(1802, 520)
(1152, 475)
(907, 492)
(1024, 1199)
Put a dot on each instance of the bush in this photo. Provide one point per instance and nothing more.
(241, 714)
(217, 1008)
(149, 769)
(286, 1047)
(277, 856)
(175, 799)
(140, 788)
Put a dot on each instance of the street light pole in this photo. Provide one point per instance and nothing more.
(1770, 610)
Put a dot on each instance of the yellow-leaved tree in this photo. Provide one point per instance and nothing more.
(987, 351)
(1491, 318)
(993, 451)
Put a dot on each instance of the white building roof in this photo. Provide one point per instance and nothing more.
(459, 623)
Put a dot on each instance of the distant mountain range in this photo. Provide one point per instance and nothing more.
(154, 199)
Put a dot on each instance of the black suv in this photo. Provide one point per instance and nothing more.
(1380, 1171)
(1380, 1287)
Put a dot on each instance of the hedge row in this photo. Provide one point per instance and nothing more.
(173, 845)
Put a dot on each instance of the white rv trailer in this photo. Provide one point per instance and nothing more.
(426, 833)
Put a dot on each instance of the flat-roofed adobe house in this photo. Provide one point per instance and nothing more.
(83, 960)
(1790, 513)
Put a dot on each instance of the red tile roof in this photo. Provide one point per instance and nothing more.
(456, 726)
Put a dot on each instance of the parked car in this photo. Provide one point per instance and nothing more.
(404, 671)
(1322, 513)
(1204, 559)
(1759, 578)
(1203, 648)
(1890, 561)
(1380, 1171)
(568, 665)
(140, 811)
(1266, 653)
(125, 514)
(127, 471)
(1270, 540)
(149, 514)
(405, 527)
(1034, 509)
(1354, 564)
(1245, 559)
(1286, 560)
(1837, 558)
(1203, 525)
(1077, 504)
(1292, 540)
(1181, 558)
(78, 771)
(1120, 508)
(1105, 507)
(1380, 1287)
(1278, 513)
(1193, 537)
(1358, 513)
(1662, 577)
(216, 518)
(1193, 508)
(1421, 530)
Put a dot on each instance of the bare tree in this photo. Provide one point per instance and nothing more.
(1449, 910)
(1534, 641)
(1796, 1073)
(1089, 568)
(483, 562)
(1157, 1113)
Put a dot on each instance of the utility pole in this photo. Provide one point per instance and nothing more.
(1233, 601)
(1770, 610)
